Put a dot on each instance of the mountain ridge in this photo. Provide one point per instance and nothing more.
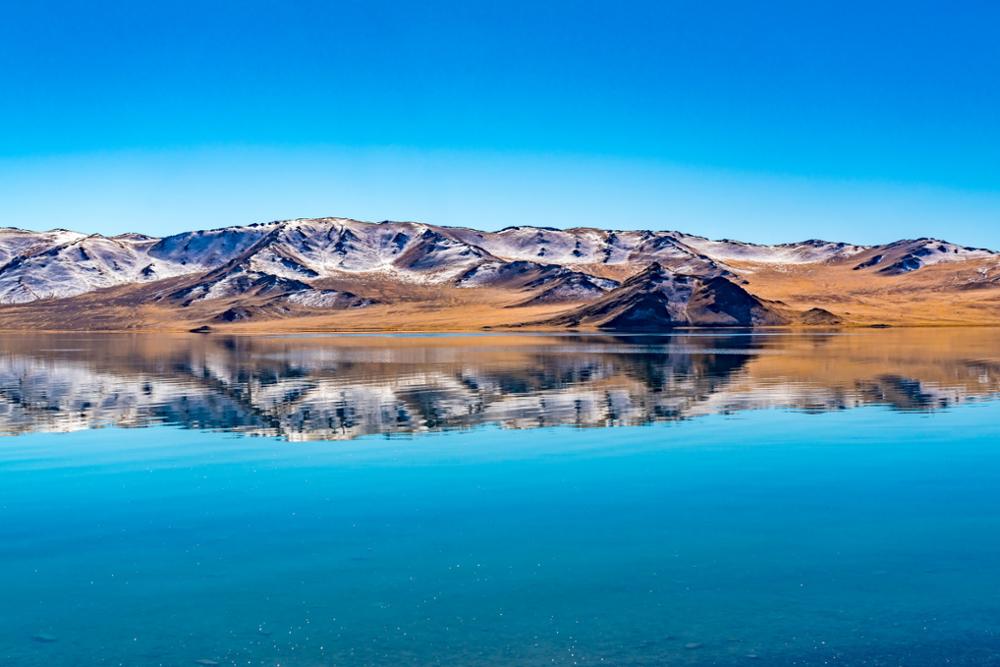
(333, 264)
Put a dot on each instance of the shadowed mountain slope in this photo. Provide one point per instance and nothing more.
(659, 298)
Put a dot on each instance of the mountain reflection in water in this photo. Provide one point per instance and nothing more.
(340, 387)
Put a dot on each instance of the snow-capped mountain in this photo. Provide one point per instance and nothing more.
(281, 258)
(910, 255)
(58, 263)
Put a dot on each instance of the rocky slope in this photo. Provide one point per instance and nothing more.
(658, 298)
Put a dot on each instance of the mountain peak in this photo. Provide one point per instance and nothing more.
(653, 270)
(657, 298)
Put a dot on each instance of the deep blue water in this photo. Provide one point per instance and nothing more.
(777, 536)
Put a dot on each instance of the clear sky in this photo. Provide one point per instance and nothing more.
(766, 121)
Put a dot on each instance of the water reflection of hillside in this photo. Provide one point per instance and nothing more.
(348, 386)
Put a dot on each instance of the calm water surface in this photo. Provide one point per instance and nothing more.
(803, 499)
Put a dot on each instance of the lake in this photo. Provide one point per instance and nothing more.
(720, 498)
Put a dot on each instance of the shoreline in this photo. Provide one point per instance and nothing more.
(240, 330)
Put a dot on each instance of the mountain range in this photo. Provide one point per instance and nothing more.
(342, 274)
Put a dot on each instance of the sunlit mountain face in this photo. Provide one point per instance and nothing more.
(342, 387)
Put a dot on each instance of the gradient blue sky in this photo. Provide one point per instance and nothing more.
(764, 121)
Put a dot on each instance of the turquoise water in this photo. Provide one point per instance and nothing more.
(783, 535)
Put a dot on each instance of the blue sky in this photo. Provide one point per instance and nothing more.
(763, 121)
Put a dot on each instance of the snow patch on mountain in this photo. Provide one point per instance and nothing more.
(67, 264)
(328, 299)
(910, 255)
(805, 252)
